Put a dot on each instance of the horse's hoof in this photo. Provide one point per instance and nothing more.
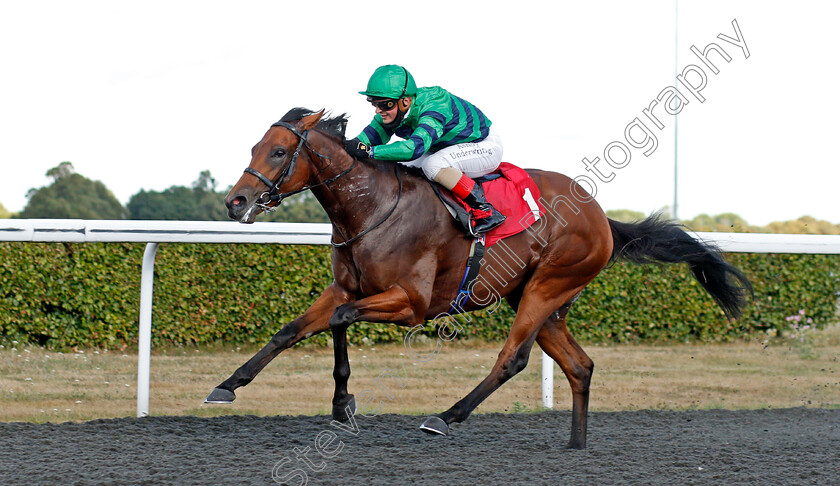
(220, 395)
(435, 425)
(340, 412)
(576, 446)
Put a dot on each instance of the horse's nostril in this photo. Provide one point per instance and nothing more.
(238, 201)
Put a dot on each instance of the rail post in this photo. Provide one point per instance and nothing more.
(144, 353)
(547, 381)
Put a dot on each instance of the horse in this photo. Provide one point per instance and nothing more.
(399, 257)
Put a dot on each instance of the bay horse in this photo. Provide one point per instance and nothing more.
(399, 257)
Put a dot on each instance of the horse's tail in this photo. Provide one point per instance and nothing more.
(656, 240)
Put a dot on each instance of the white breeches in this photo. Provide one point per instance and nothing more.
(474, 159)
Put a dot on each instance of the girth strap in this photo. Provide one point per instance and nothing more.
(470, 274)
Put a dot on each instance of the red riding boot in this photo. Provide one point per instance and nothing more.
(484, 215)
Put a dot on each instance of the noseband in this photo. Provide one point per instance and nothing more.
(274, 194)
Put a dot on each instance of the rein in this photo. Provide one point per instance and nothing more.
(274, 193)
(390, 212)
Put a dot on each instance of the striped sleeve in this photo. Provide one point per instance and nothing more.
(427, 133)
(375, 133)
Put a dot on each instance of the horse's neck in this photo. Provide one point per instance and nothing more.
(355, 201)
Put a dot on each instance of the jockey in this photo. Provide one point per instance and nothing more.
(446, 136)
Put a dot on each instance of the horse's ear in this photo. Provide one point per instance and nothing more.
(309, 121)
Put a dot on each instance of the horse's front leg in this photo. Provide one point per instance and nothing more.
(393, 305)
(315, 320)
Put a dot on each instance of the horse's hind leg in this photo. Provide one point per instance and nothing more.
(555, 340)
(533, 311)
(315, 320)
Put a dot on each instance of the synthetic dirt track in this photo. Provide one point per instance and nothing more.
(788, 446)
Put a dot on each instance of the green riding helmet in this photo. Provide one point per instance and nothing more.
(391, 82)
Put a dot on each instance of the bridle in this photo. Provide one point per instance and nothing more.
(274, 194)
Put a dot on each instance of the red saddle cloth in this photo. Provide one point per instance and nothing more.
(515, 195)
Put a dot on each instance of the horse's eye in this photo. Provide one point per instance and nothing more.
(278, 153)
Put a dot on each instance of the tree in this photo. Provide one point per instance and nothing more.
(200, 202)
(4, 213)
(625, 215)
(731, 222)
(804, 225)
(726, 222)
(71, 196)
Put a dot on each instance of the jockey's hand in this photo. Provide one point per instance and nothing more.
(357, 149)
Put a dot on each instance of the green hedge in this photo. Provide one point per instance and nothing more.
(65, 295)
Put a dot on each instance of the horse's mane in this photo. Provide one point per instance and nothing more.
(332, 126)
(335, 127)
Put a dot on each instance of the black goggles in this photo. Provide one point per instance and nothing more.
(383, 104)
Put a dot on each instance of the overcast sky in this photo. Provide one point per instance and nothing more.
(146, 95)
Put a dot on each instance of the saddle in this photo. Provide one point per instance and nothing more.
(455, 206)
(511, 191)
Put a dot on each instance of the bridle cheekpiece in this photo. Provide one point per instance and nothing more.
(274, 194)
